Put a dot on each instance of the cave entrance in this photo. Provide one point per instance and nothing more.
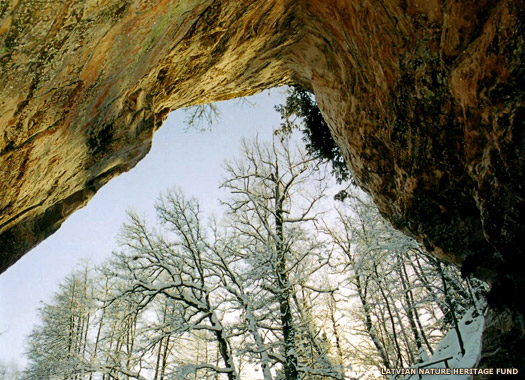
(180, 156)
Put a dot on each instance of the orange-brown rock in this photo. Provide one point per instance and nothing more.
(425, 97)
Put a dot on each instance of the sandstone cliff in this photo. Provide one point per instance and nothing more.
(425, 97)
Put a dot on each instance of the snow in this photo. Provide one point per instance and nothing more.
(471, 327)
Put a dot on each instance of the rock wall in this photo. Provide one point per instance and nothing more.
(427, 102)
(84, 84)
(425, 97)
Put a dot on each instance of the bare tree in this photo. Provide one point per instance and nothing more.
(275, 194)
(10, 371)
(59, 345)
(174, 266)
(405, 297)
(278, 283)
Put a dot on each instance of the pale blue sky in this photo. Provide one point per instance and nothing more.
(191, 160)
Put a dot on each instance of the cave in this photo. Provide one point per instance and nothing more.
(424, 98)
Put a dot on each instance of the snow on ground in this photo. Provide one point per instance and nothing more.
(471, 327)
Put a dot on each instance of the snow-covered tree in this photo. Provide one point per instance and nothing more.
(58, 347)
(275, 194)
(173, 267)
(10, 371)
(404, 296)
(283, 286)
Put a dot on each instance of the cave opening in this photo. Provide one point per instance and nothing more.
(180, 156)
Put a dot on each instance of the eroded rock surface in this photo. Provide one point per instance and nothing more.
(84, 84)
(425, 97)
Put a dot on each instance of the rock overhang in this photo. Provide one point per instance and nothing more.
(425, 99)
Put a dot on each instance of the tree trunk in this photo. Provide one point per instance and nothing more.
(224, 346)
(368, 323)
(393, 327)
(452, 310)
(165, 358)
(287, 324)
(332, 306)
(157, 364)
(416, 313)
(410, 307)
